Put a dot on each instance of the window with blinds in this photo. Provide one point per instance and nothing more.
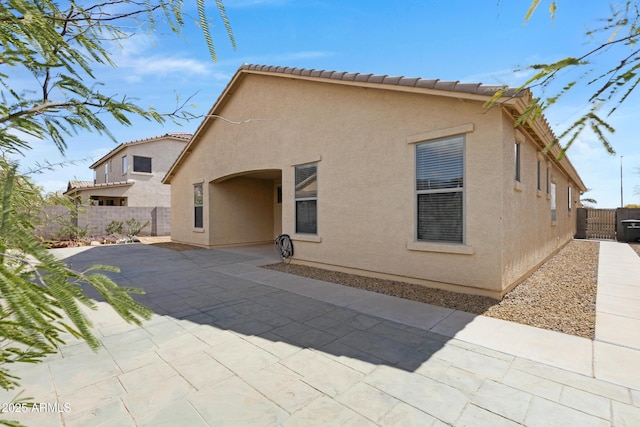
(306, 198)
(440, 190)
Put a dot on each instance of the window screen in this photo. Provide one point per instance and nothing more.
(517, 160)
(306, 198)
(553, 202)
(440, 190)
(198, 199)
(141, 164)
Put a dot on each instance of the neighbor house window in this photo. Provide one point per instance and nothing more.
(306, 198)
(539, 176)
(197, 205)
(142, 164)
(440, 190)
(124, 165)
(553, 201)
(569, 198)
(517, 159)
(106, 172)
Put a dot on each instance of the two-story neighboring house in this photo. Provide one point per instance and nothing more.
(131, 174)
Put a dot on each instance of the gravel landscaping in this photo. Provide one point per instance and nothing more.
(559, 296)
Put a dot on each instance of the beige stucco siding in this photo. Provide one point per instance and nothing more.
(116, 192)
(243, 207)
(528, 235)
(148, 189)
(364, 142)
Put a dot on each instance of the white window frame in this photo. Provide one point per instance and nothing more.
(124, 165)
(569, 197)
(460, 189)
(106, 171)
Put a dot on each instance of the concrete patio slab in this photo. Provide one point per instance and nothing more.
(560, 350)
(231, 346)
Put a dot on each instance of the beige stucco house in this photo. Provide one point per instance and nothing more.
(393, 177)
(131, 174)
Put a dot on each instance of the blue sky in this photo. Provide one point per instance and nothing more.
(470, 41)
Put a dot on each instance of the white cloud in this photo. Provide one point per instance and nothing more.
(135, 63)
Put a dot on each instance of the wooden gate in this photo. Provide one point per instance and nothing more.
(596, 224)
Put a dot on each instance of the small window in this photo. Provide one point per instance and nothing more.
(106, 172)
(124, 165)
(539, 176)
(142, 164)
(306, 198)
(517, 160)
(569, 198)
(548, 181)
(440, 190)
(198, 198)
(553, 202)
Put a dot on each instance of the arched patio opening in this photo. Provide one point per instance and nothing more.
(246, 207)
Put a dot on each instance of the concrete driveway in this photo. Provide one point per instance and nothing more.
(233, 344)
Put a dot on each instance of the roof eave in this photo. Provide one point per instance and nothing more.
(222, 99)
(411, 85)
(542, 134)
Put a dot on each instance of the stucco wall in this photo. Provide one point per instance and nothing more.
(244, 209)
(364, 142)
(529, 236)
(117, 192)
(147, 189)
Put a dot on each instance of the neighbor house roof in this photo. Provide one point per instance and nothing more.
(515, 101)
(75, 186)
(181, 136)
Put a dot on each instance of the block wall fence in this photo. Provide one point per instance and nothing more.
(96, 219)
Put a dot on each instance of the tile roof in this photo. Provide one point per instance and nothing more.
(436, 84)
(85, 185)
(398, 82)
(79, 184)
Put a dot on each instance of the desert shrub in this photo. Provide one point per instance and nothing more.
(135, 226)
(115, 227)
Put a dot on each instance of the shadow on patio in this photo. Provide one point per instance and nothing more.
(228, 290)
